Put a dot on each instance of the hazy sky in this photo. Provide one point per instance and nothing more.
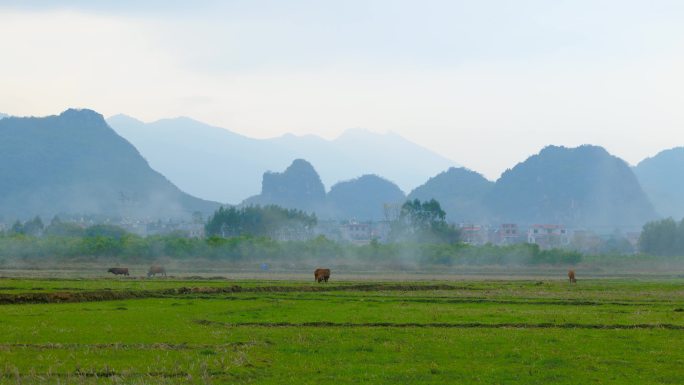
(485, 83)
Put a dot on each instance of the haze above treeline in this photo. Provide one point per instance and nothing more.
(78, 163)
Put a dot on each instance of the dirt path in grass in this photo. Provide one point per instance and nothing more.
(468, 325)
(112, 295)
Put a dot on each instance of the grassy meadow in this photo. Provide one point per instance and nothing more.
(204, 331)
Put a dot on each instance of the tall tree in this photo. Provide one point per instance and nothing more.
(267, 221)
(34, 227)
(661, 237)
(423, 222)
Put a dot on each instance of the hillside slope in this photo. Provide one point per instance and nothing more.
(582, 187)
(74, 163)
(363, 198)
(662, 177)
(461, 193)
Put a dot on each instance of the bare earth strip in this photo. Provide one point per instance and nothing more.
(470, 325)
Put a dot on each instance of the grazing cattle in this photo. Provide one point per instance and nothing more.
(571, 276)
(118, 270)
(321, 275)
(156, 269)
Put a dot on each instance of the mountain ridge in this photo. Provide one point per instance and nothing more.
(363, 198)
(580, 186)
(662, 177)
(461, 193)
(176, 147)
(74, 163)
(298, 187)
(47, 163)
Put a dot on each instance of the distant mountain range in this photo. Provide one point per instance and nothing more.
(662, 177)
(214, 163)
(577, 187)
(74, 163)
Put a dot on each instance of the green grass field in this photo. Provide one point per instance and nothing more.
(283, 332)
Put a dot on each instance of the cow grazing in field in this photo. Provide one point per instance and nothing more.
(571, 276)
(156, 269)
(321, 275)
(118, 270)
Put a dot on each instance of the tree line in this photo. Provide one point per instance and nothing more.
(419, 235)
(268, 221)
(663, 238)
(248, 249)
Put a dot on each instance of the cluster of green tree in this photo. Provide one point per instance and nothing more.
(664, 237)
(615, 244)
(267, 221)
(518, 254)
(423, 222)
(62, 239)
(35, 227)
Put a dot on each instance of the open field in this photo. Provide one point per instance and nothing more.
(135, 331)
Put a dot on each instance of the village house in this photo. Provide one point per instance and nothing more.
(356, 232)
(548, 236)
(362, 233)
(507, 234)
(474, 234)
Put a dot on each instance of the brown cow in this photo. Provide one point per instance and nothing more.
(571, 276)
(321, 275)
(118, 270)
(156, 269)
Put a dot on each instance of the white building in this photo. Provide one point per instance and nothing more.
(548, 236)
